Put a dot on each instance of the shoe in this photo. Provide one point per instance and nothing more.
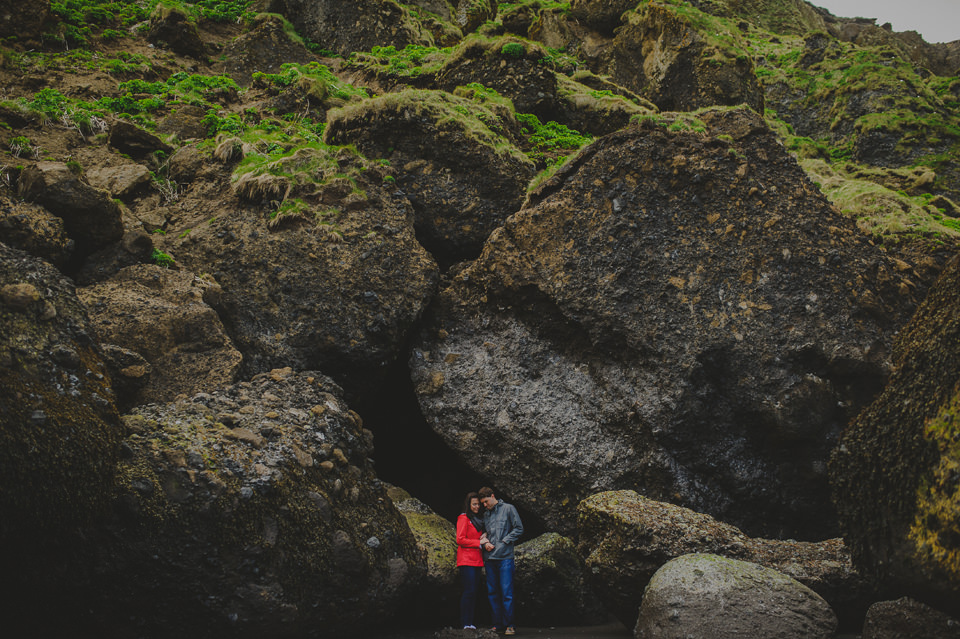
(510, 631)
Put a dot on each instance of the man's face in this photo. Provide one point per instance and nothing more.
(489, 502)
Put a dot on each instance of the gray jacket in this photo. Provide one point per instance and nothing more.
(503, 528)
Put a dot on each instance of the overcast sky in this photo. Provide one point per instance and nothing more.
(936, 20)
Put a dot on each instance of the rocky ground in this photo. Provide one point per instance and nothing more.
(659, 272)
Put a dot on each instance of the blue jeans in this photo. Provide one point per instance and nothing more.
(500, 591)
(470, 577)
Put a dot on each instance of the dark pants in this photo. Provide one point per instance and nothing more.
(500, 591)
(470, 579)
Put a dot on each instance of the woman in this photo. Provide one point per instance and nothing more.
(470, 539)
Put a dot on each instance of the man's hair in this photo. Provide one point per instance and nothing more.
(485, 492)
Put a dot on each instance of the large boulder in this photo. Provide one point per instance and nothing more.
(254, 510)
(454, 158)
(550, 588)
(167, 318)
(437, 539)
(626, 538)
(702, 596)
(345, 26)
(894, 471)
(675, 311)
(92, 219)
(317, 259)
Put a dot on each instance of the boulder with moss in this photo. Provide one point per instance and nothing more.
(894, 469)
(437, 540)
(625, 538)
(253, 509)
(167, 317)
(907, 618)
(704, 595)
(678, 310)
(454, 157)
(315, 252)
(550, 587)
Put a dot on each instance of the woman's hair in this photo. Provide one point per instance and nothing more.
(466, 502)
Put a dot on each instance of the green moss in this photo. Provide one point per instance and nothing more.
(410, 62)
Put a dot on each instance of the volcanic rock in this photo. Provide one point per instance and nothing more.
(681, 313)
(704, 595)
(254, 509)
(626, 538)
(894, 471)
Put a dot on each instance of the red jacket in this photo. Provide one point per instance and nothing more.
(468, 543)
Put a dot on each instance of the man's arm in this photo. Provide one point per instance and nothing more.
(516, 527)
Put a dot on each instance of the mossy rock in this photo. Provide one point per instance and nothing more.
(455, 157)
(894, 470)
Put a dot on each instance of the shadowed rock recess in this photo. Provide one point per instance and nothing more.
(646, 268)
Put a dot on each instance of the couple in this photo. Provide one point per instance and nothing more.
(494, 533)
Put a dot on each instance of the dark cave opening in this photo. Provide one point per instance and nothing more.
(410, 455)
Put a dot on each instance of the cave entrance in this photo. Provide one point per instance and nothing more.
(410, 455)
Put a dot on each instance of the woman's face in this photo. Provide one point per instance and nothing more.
(475, 505)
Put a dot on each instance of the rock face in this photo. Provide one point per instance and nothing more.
(335, 279)
(454, 159)
(251, 510)
(172, 28)
(894, 469)
(345, 26)
(90, 217)
(626, 538)
(906, 618)
(165, 316)
(675, 312)
(59, 428)
(707, 596)
(550, 589)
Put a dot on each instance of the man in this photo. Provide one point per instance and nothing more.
(503, 527)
